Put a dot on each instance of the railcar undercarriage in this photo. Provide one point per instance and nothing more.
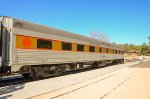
(43, 71)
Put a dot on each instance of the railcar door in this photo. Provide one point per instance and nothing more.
(5, 45)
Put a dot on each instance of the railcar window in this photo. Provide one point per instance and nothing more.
(100, 50)
(92, 49)
(80, 47)
(113, 51)
(66, 46)
(44, 44)
(116, 51)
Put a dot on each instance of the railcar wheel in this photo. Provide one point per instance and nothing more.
(34, 74)
(64, 71)
(26, 75)
(115, 62)
(45, 73)
(95, 64)
(122, 62)
(58, 72)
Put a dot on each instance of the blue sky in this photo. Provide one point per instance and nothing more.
(124, 21)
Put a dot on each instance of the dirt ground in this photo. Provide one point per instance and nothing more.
(132, 58)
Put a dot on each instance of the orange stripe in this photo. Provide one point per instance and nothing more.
(61, 50)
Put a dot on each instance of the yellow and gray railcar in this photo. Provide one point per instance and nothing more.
(41, 51)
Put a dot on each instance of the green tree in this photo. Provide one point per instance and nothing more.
(114, 42)
(145, 49)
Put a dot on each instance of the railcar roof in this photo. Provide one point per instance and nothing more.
(45, 29)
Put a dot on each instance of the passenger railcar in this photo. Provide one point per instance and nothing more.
(42, 51)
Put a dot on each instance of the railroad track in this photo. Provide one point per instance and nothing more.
(13, 81)
(81, 86)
